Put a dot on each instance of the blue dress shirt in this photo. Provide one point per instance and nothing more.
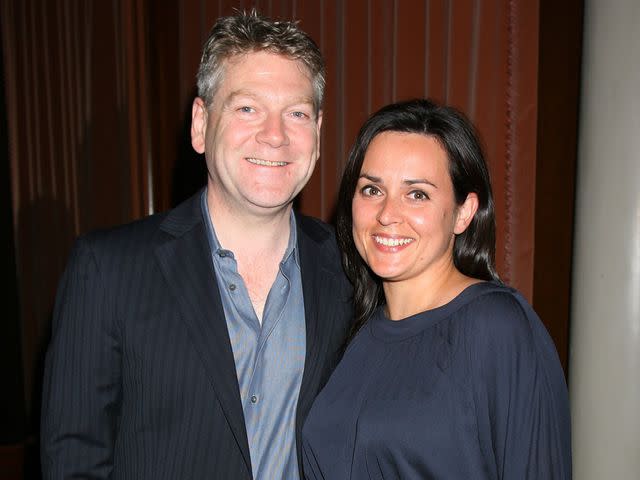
(269, 357)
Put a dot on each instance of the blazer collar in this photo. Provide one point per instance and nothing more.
(319, 270)
(184, 217)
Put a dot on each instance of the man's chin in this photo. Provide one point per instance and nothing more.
(270, 206)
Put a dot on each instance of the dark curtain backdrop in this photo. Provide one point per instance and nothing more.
(97, 101)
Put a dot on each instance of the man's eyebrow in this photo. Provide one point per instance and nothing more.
(249, 94)
(239, 93)
(305, 100)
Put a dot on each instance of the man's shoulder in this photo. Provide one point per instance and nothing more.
(314, 227)
(145, 232)
(125, 239)
(318, 247)
(315, 236)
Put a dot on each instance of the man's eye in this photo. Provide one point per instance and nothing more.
(245, 109)
(300, 115)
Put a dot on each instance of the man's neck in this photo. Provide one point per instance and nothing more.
(251, 233)
(258, 243)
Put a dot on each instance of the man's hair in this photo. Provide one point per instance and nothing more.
(244, 33)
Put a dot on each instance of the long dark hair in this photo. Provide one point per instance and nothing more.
(474, 249)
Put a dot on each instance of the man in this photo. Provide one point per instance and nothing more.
(191, 344)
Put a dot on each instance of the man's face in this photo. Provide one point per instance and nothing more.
(260, 136)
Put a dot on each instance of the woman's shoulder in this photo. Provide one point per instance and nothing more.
(494, 313)
(492, 301)
(503, 333)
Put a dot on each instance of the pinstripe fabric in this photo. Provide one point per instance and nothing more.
(140, 380)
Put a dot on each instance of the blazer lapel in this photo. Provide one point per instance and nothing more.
(188, 270)
(316, 286)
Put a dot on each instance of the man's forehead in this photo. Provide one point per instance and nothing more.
(251, 56)
(250, 94)
(261, 79)
(240, 56)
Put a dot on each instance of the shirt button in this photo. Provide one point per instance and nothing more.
(254, 399)
(232, 287)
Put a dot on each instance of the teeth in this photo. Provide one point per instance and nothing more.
(265, 163)
(392, 242)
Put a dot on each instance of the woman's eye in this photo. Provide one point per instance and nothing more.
(418, 195)
(370, 191)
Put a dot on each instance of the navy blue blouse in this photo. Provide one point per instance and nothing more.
(470, 390)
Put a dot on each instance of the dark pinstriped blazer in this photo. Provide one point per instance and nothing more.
(140, 380)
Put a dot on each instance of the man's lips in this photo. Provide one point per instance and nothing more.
(265, 163)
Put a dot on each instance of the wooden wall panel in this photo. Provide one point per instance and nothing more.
(489, 114)
(332, 150)
(354, 90)
(438, 24)
(522, 112)
(164, 105)
(381, 67)
(557, 118)
(461, 74)
(79, 145)
(312, 200)
(409, 50)
(12, 401)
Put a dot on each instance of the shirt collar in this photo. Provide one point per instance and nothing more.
(216, 248)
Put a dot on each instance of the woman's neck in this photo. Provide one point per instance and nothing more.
(432, 290)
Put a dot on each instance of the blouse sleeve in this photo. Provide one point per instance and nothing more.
(520, 392)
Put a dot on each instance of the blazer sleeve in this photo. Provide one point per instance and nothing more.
(82, 378)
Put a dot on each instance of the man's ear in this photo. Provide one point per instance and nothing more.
(198, 124)
(466, 211)
(318, 127)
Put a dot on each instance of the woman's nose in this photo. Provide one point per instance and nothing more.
(390, 211)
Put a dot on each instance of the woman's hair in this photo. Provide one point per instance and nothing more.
(474, 249)
(250, 32)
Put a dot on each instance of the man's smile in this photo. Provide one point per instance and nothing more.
(265, 163)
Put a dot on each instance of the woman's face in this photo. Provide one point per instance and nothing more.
(404, 213)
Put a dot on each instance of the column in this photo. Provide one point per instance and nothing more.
(605, 340)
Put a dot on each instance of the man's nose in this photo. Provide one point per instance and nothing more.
(273, 131)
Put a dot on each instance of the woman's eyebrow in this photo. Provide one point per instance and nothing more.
(371, 178)
(408, 181)
(413, 181)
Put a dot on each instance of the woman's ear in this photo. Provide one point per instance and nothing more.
(465, 214)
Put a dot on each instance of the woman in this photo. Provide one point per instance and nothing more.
(451, 375)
